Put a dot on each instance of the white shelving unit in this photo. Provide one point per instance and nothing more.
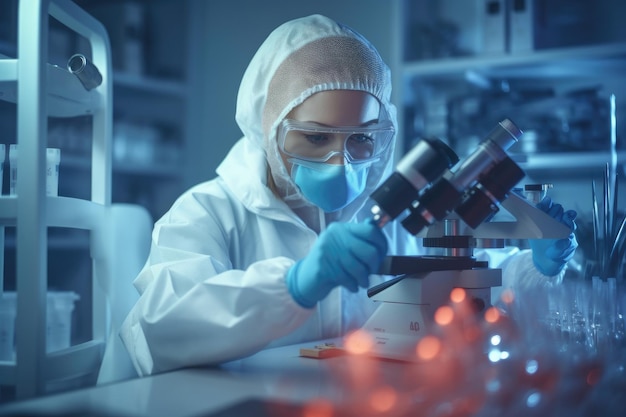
(151, 113)
(44, 90)
(427, 85)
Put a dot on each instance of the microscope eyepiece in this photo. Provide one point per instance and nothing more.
(423, 164)
(429, 182)
(481, 202)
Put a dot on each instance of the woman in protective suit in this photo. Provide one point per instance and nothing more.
(278, 248)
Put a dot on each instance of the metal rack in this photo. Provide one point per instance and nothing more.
(429, 85)
(44, 90)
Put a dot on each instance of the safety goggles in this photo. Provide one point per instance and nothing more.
(314, 142)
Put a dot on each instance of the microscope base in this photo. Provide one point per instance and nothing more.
(407, 308)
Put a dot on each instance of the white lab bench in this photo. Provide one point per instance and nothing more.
(278, 375)
(279, 382)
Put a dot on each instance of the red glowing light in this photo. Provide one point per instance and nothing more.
(383, 399)
(444, 315)
(507, 296)
(428, 347)
(594, 376)
(318, 408)
(458, 295)
(472, 334)
(492, 315)
(358, 342)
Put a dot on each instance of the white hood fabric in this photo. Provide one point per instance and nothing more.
(213, 288)
(297, 60)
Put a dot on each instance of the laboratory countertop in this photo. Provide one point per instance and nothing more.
(450, 379)
(274, 382)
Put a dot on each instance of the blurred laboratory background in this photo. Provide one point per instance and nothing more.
(555, 67)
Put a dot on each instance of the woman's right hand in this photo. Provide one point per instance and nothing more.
(345, 254)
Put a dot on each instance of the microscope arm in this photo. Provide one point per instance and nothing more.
(531, 223)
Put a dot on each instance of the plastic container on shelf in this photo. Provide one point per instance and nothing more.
(58, 322)
(3, 153)
(7, 326)
(59, 319)
(53, 159)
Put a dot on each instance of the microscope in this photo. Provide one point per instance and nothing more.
(452, 205)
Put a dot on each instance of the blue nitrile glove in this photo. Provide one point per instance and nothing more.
(345, 254)
(551, 255)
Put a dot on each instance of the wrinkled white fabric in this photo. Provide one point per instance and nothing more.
(213, 288)
(520, 274)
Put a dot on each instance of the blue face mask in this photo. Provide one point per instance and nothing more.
(330, 187)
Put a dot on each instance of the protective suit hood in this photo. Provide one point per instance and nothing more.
(298, 59)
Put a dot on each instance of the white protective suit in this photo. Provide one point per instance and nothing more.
(213, 288)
